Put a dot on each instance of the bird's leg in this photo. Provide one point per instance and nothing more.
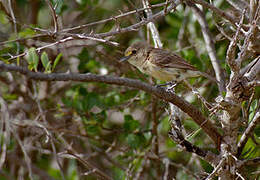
(170, 84)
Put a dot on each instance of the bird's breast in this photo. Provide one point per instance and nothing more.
(166, 74)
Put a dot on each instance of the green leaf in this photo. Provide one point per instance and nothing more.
(92, 129)
(250, 150)
(3, 18)
(136, 140)
(33, 59)
(118, 174)
(26, 33)
(130, 124)
(48, 68)
(44, 59)
(56, 61)
(92, 99)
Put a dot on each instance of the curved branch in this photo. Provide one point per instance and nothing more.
(161, 93)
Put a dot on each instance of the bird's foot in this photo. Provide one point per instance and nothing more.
(170, 85)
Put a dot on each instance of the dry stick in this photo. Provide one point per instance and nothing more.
(188, 108)
(166, 161)
(15, 23)
(249, 162)
(239, 5)
(98, 37)
(89, 37)
(230, 57)
(210, 46)
(5, 130)
(151, 25)
(251, 70)
(242, 54)
(26, 157)
(70, 151)
(75, 37)
(221, 30)
(196, 93)
(88, 165)
(139, 24)
(54, 16)
(158, 43)
(216, 10)
(115, 17)
(49, 135)
(252, 9)
(252, 32)
(215, 171)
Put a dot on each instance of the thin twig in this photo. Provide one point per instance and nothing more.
(54, 16)
(216, 10)
(230, 57)
(217, 168)
(114, 17)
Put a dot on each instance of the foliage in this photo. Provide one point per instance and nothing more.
(70, 130)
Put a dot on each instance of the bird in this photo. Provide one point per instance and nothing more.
(160, 63)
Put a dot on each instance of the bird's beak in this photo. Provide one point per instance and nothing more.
(125, 58)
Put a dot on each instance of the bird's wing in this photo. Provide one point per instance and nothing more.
(166, 59)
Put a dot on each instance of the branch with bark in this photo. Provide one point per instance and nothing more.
(161, 93)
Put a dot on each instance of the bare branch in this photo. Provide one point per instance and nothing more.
(70, 38)
(215, 171)
(117, 17)
(252, 69)
(251, 33)
(88, 165)
(54, 16)
(151, 25)
(216, 10)
(188, 108)
(209, 46)
(249, 162)
(137, 25)
(230, 57)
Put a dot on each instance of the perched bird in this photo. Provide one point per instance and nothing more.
(160, 63)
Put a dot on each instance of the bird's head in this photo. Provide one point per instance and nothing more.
(135, 53)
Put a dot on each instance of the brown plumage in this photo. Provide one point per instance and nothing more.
(167, 59)
(160, 63)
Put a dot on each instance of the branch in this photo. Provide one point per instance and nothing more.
(54, 16)
(209, 46)
(252, 69)
(161, 93)
(216, 169)
(118, 16)
(72, 37)
(230, 57)
(151, 25)
(208, 156)
(97, 172)
(136, 26)
(250, 162)
(243, 140)
(216, 10)
(157, 43)
(98, 37)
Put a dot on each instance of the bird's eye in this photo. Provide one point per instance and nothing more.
(134, 52)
